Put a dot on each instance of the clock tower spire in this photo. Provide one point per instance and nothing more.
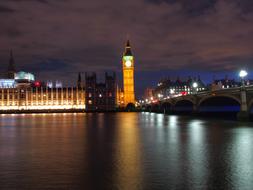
(128, 51)
(128, 75)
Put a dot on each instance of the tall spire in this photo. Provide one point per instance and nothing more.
(128, 44)
(11, 66)
(79, 81)
(128, 51)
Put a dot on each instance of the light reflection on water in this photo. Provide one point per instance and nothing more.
(128, 153)
(124, 151)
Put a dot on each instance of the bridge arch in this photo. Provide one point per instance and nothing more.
(219, 104)
(184, 105)
(185, 100)
(219, 96)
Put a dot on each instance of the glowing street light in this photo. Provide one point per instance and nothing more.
(195, 85)
(243, 73)
(160, 95)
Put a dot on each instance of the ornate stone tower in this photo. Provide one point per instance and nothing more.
(128, 75)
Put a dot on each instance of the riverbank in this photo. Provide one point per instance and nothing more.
(217, 115)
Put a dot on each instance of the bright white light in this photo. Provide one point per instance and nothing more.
(172, 91)
(160, 95)
(243, 73)
(159, 84)
(128, 63)
(195, 85)
(7, 83)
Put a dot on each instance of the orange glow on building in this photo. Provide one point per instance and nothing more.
(128, 75)
(42, 99)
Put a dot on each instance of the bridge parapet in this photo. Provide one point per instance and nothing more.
(244, 97)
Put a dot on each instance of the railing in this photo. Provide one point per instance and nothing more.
(203, 93)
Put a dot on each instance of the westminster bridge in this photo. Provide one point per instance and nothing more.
(238, 99)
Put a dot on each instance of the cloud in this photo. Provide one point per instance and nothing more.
(5, 9)
(77, 35)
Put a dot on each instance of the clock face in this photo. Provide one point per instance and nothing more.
(128, 63)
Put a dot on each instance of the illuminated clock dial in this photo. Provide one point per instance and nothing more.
(128, 63)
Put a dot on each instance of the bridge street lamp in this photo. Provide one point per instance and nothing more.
(243, 74)
(195, 86)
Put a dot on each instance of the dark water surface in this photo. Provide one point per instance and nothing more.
(124, 151)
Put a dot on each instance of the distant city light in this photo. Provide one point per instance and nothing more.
(172, 91)
(50, 84)
(7, 83)
(58, 84)
(160, 95)
(37, 84)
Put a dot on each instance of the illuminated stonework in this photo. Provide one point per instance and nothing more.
(42, 99)
(128, 75)
(20, 92)
(24, 76)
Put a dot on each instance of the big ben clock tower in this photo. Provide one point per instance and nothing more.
(128, 75)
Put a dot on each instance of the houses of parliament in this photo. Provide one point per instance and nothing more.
(20, 92)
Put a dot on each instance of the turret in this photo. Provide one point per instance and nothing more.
(79, 81)
(11, 67)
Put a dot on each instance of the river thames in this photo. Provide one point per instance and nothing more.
(124, 151)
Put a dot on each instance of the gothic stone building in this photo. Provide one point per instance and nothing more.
(20, 92)
(100, 96)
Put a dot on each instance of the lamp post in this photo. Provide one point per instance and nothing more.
(244, 112)
(195, 86)
(243, 74)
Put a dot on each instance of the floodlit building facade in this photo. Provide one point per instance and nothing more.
(20, 92)
(168, 88)
(128, 76)
(36, 98)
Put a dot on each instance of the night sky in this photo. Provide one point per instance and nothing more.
(56, 39)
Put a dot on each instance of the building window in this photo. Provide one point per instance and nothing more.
(90, 95)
